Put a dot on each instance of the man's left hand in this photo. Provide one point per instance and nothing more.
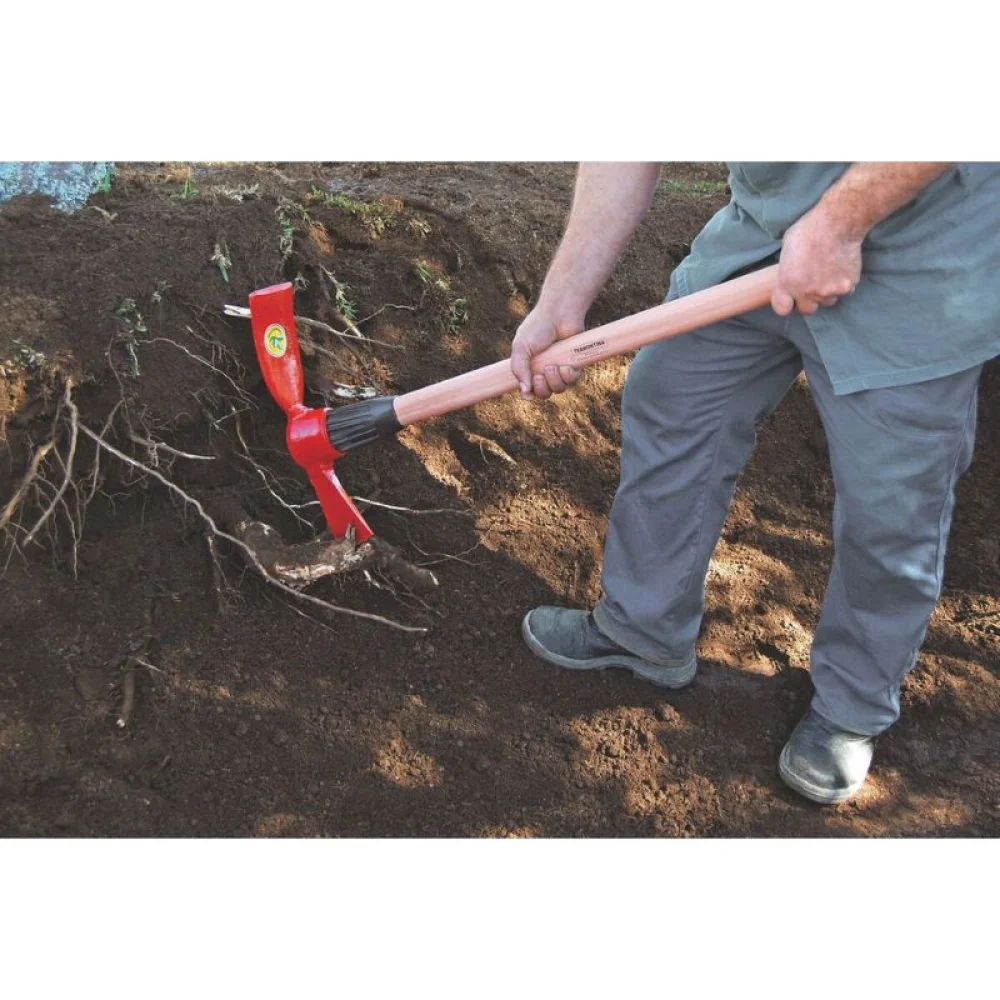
(818, 265)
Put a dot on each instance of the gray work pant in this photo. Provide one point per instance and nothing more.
(688, 426)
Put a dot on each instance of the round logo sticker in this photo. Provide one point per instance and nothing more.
(276, 340)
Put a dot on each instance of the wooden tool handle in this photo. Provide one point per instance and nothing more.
(731, 298)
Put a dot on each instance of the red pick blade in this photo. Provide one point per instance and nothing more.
(337, 505)
(273, 321)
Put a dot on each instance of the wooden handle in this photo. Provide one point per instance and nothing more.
(731, 298)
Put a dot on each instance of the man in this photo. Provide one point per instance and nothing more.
(888, 298)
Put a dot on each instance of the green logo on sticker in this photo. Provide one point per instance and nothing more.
(276, 340)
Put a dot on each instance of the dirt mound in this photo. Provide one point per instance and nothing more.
(256, 714)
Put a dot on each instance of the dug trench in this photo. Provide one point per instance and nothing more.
(255, 714)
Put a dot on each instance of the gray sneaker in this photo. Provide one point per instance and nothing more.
(570, 639)
(823, 762)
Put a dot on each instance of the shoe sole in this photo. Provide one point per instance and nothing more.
(673, 678)
(822, 796)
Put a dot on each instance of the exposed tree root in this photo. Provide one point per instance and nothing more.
(247, 552)
(26, 483)
(66, 463)
(304, 563)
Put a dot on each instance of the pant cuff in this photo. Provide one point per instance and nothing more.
(852, 716)
(623, 637)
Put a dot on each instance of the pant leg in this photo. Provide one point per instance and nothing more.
(896, 455)
(688, 427)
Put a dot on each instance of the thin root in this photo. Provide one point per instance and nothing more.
(155, 446)
(414, 510)
(67, 463)
(241, 312)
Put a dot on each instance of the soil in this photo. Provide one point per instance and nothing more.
(257, 716)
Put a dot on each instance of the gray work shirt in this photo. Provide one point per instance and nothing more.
(928, 303)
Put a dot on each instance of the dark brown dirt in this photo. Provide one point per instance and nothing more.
(259, 721)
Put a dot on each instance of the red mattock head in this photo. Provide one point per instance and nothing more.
(272, 318)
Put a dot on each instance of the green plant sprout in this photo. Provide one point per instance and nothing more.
(377, 218)
(222, 259)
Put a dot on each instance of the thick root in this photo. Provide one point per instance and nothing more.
(302, 564)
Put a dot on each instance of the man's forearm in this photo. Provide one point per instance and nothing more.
(609, 202)
(867, 193)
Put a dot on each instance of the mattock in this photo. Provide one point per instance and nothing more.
(319, 437)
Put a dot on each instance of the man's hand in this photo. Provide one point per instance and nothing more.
(821, 253)
(818, 264)
(609, 202)
(539, 330)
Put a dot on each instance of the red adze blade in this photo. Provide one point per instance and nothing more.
(273, 321)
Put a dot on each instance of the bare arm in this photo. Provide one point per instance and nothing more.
(609, 202)
(821, 253)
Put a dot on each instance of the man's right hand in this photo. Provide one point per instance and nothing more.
(609, 202)
(540, 330)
